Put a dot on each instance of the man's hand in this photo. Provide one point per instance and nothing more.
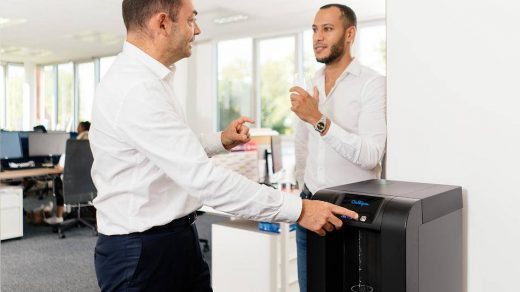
(304, 105)
(236, 133)
(320, 217)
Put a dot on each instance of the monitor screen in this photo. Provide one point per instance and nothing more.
(10, 145)
(24, 139)
(45, 144)
(276, 153)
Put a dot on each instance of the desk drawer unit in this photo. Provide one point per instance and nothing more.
(11, 212)
(246, 259)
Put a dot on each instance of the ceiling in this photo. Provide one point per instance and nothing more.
(48, 31)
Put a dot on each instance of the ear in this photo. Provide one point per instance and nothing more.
(351, 34)
(159, 23)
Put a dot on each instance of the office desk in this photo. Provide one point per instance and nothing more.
(242, 255)
(11, 200)
(11, 212)
(14, 174)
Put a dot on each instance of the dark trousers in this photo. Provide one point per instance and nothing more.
(167, 259)
(58, 191)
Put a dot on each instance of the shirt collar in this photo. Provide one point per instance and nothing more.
(353, 68)
(155, 66)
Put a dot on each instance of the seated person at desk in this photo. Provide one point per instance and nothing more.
(83, 128)
(40, 129)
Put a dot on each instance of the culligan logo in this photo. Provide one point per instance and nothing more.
(359, 203)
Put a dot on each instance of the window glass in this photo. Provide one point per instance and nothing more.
(235, 67)
(65, 97)
(47, 96)
(2, 97)
(372, 47)
(86, 88)
(310, 65)
(277, 69)
(15, 97)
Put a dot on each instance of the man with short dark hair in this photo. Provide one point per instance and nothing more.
(152, 172)
(340, 137)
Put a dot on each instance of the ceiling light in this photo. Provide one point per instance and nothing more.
(5, 22)
(230, 19)
(89, 36)
(23, 51)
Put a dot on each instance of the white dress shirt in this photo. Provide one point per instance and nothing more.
(150, 168)
(354, 145)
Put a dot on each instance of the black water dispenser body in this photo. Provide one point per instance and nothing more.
(408, 239)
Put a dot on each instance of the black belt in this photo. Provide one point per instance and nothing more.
(185, 221)
(306, 194)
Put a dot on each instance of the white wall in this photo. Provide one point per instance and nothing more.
(453, 103)
(201, 100)
(180, 82)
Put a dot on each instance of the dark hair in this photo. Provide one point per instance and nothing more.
(347, 14)
(137, 12)
(40, 129)
(85, 125)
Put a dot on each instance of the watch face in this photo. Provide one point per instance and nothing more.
(320, 126)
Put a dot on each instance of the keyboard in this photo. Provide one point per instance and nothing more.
(21, 165)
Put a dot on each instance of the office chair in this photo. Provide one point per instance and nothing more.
(78, 188)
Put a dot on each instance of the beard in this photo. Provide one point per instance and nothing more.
(336, 51)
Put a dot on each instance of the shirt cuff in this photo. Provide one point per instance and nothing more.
(331, 133)
(212, 143)
(291, 208)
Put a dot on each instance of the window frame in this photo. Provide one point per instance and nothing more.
(299, 62)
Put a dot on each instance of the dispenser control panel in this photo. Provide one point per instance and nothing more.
(365, 206)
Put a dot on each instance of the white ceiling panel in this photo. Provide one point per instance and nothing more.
(62, 30)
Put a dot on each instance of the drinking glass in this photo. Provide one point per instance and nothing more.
(301, 80)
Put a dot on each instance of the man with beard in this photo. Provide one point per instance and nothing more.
(341, 132)
(152, 172)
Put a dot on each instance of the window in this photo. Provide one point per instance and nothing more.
(104, 65)
(235, 67)
(47, 97)
(86, 85)
(65, 97)
(310, 65)
(14, 110)
(277, 66)
(372, 46)
(2, 96)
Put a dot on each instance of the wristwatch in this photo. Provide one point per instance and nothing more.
(321, 124)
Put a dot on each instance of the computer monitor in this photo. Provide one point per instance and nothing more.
(10, 145)
(276, 153)
(47, 144)
(24, 139)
